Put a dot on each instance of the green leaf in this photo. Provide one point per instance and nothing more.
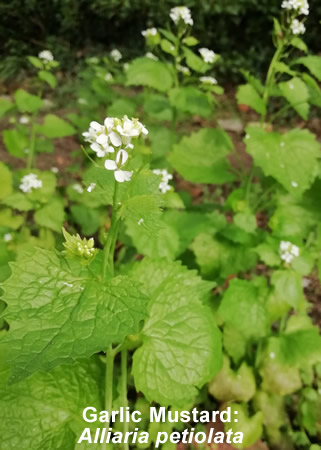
(158, 106)
(181, 348)
(146, 72)
(195, 62)
(284, 68)
(54, 127)
(297, 94)
(5, 181)
(51, 215)
(233, 385)
(190, 41)
(278, 378)
(52, 405)
(104, 190)
(241, 309)
(121, 107)
(8, 220)
(202, 157)
(314, 90)
(288, 287)
(247, 95)
(86, 218)
(5, 106)
(27, 102)
(300, 44)
(301, 348)
(57, 316)
(167, 47)
(191, 100)
(19, 201)
(246, 220)
(36, 62)
(48, 77)
(313, 63)
(15, 142)
(291, 158)
(251, 427)
(218, 257)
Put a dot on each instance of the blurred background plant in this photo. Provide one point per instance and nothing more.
(76, 28)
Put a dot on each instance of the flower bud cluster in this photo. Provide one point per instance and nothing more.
(77, 247)
(30, 182)
(181, 14)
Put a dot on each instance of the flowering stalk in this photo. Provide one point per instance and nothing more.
(109, 248)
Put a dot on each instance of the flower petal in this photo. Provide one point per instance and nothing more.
(102, 140)
(110, 164)
(121, 157)
(122, 175)
(115, 139)
(95, 125)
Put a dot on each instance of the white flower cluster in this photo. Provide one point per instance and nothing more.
(116, 55)
(46, 56)
(29, 182)
(166, 177)
(297, 27)
(208, 80)
(24, 120)
(151, 55)
(288, 251)
(150, 32)
(7, 237)
(181, 13)
(114, 133)
(207, 55)
(108, 77)
(300, 6)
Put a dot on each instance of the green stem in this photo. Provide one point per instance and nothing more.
(124, 389)
(112, 236)
(109, 379)
(32, 142)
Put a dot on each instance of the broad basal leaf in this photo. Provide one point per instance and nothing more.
(5, 181)
(5, 106)
(57, 316)
(297, 94)
(51, 215)
(248, 95)
(202, 157)
(27, 102)
(290, 158)
(251, 427)
(52, 405)
(54, 127)
(242, 309)
(147, 72)
(181, 348)
(191, 100)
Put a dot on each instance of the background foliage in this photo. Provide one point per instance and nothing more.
(68, 25)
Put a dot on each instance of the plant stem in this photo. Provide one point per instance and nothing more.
(124, 389)
(112, 237)
(32, 142)
(109, 378)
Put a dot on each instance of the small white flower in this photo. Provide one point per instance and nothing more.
(166, 177)
(121, 159)
(207, 55)
(300, 6)
(151, 55)
(46, 56)
(150, 32)
(54, 169)
(7, 237)
(181, 13)
(140, 221)
(294, 184)
(108, 76)
(183, 69)
(208, 80)
(91, 187)
(116, 55)
(82, 101)
(297, 27)
(78, 188)
(288, 251)
(24, 120)
(30, 182)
